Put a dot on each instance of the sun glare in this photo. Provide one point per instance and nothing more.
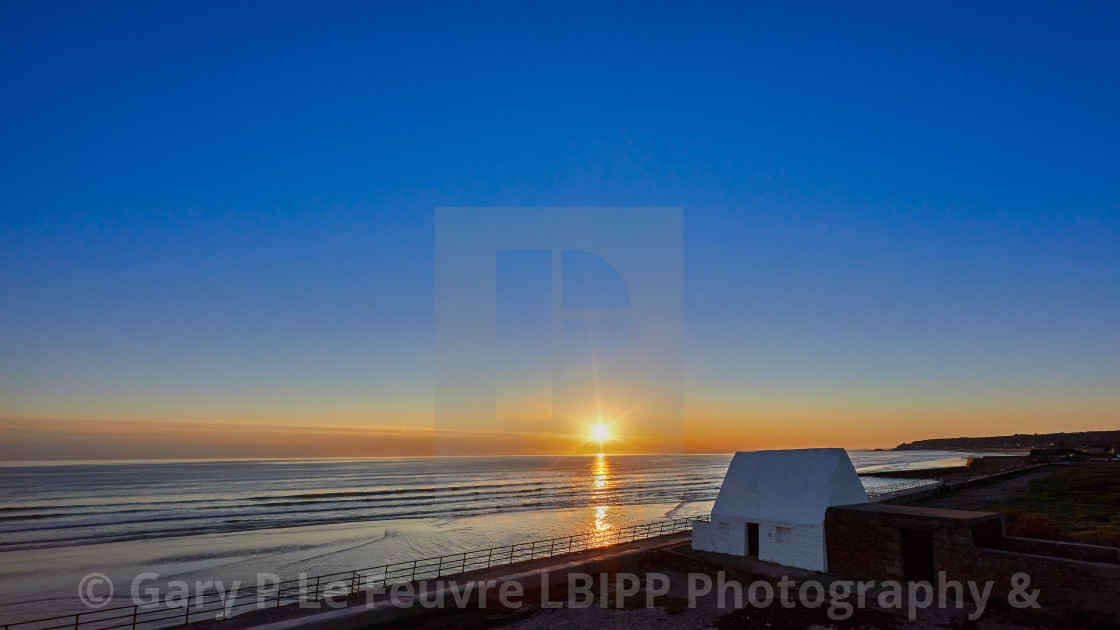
(600, 433)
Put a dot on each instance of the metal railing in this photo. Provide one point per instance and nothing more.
(899, 485)
(209, 606)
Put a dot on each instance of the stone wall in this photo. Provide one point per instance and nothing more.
(861, 546)
(1064, 585)
(1056, 549)
(865, 542)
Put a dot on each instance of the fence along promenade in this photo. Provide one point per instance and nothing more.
(208, 606)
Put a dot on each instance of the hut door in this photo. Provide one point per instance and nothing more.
(752, 539)
(917, 556)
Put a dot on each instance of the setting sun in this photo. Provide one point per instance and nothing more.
(600, 433)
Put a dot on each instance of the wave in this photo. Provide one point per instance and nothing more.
(55, 506)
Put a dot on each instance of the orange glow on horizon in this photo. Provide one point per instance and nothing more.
(708, 427)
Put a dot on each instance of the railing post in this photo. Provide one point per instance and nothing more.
(135, 609)
(439, 570)
(489, 556)
(532, 550)
(413, 579)
(316, 598)
(76, 620)
(511, 553)
(570, 543)
(463, 568)
(279, 590)
(187, 616)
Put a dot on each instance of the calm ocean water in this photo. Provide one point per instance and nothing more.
(230, 520)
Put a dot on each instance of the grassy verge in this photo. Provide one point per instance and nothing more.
(1081, 504)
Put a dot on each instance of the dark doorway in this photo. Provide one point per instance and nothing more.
(917, 556)
(752, 539)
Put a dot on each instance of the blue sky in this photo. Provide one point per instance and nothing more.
(204, 206)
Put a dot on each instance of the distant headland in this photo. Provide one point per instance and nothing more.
(1084, 440)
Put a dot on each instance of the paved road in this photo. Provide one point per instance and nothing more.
(981, 496)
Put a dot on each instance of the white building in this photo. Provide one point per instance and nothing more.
(772, 505)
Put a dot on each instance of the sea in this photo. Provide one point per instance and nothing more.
(232, 520)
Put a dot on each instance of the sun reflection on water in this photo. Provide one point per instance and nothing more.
(601, 524)
(600, 486)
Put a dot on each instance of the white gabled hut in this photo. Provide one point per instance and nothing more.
(772, 505)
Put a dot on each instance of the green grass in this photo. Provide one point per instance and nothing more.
(1083, 503)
